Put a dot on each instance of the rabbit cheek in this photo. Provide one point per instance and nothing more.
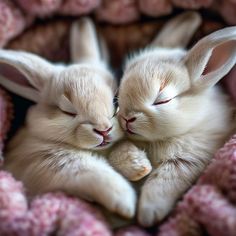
(117, 133)
(122, 123)
(86, 138)
(142, 128)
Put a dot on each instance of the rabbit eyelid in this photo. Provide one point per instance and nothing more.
(66, 106)
(162, 102)
(166, 95)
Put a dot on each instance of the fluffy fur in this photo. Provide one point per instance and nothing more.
(67, 134)
(170, 108)
(127, 158)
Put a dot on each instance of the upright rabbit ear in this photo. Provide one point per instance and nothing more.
(34, 71)
(178, 31)
(104, 51)
(83, 41)
(212, 58)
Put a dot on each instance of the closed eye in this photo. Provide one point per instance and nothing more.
(69, 113)
(162, 102)
(66, 106)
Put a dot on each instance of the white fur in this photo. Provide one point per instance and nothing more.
(57, 151)
(179, 136)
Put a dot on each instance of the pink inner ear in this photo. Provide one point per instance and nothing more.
(14, 75)
(219, 56)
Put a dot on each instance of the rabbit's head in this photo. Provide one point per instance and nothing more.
(75, 102)
(163, 92)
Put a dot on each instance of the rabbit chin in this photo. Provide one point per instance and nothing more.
(92, 143)
(135, 133)
(104, 144)
(136, 136)
(142, 137)
(150, 134)
(99, 143)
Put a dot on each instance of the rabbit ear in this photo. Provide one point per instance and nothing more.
(212, 58)
(178, 31)
(83, 41)
(24, 73)
(104, 51)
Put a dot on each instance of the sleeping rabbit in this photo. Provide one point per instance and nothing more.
(68, 132)
(171, 108)
(125, 157)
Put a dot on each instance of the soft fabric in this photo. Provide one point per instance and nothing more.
(118, 11)
(16, 15)
(52, 213)
(131, 231)
(48, 7)
(12, 21)
(155, 8)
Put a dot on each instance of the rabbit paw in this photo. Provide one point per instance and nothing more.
(112, 191)
(130, 161)
(153, 208)
(122, 200)
(139, 165)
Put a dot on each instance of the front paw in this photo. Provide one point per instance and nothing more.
(139, 166)
(121, 200)
(153, 208)
(131, 162)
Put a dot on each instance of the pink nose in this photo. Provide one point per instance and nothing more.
(103, 132)
(129, 120)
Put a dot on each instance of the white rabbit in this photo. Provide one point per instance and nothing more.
(170, 108)
(126, 157)
(68, 132)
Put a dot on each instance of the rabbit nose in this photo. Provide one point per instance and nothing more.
(129, 120)
(103, 132)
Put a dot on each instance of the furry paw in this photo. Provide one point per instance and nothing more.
(122, 200)
(130, 161)
(112, 191)
(138, 166)
(148, 214)
(153, 208)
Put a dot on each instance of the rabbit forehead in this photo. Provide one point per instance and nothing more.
(84, 71)
(76, 80)
(147, 78)
(85, 88)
